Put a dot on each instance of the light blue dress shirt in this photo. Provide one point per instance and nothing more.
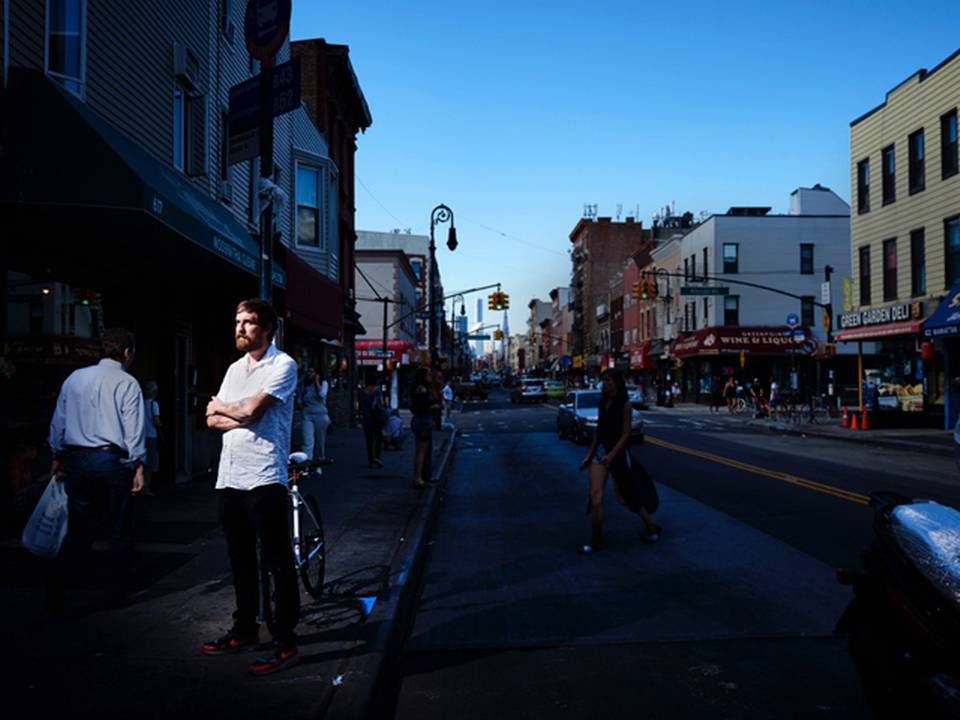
(100, 405)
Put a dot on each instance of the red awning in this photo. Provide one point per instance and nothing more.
(872, 332)
(748, 340)
(313, 303)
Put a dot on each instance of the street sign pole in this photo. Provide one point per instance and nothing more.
(265, 25)
(266, 171)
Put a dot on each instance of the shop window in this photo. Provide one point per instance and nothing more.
(731, 310)
(865, 275)
(806, 310)
(951, 236)
(731, 258)
(918, 263)
(888, 162)
(863, 186)
(917, 167)
(949, 158)
(806, 258)
(66, 35)
(890, 269)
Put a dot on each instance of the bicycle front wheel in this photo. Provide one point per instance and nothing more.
(311, 555)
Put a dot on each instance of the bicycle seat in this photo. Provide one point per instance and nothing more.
(298, 458)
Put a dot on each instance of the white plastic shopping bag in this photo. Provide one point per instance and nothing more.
(47, 527)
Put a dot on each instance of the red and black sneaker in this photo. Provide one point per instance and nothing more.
(230, 643)
(280, 659)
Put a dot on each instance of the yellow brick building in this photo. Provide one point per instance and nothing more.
(905, 227)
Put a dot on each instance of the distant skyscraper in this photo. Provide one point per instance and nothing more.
(479, 310)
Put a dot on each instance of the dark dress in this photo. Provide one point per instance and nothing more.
(609, 430)
(632, 481)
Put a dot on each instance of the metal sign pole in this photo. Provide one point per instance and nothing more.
(266, 172)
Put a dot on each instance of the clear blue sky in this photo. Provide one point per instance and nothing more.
(515, 114)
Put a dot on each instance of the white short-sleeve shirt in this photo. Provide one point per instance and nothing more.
(257, 454)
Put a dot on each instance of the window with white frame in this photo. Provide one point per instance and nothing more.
(65, 56)
(309, 226)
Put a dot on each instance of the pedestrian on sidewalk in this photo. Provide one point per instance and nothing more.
(152, 425)
(97, 436)
(393, 431)
(254, 409)
(447, 395)
(716, 393)
(730, 393)
(614, 423)
(421, 401)
(373, 416)
(316, 417)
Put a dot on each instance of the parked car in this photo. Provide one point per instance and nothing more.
(471, 391)
(555, 389)
(635, 397)
(529, 390)
(578, 413)
(956, 442)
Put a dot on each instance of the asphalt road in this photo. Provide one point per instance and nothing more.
(730, 615)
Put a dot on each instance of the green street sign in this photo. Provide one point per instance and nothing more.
(478, 337)
(694, 290)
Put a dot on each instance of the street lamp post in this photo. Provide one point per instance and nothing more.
(441, 213)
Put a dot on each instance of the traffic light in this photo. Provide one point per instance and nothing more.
(653, 290)
(636, 290)
(498, 334)
(504, 303)
(645, 289)
(492, 301)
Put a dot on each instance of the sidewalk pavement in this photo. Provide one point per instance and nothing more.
(931, 440)
(145, 660)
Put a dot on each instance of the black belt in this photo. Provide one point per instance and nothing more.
(111, 448)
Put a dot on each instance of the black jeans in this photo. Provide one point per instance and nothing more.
(99, 506)
(263, 513)
(373, 433)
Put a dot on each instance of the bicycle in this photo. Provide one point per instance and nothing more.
(306, 537)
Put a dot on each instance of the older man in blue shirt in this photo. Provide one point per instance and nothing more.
(97, 439)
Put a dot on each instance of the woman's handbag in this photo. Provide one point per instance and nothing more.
(47, 526)
(636, 486)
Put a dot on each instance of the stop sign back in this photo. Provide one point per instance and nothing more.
(266, 25)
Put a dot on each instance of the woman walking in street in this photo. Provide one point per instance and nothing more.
(613, 435)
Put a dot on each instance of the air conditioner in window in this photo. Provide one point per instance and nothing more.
(186, 67)
(226, 191)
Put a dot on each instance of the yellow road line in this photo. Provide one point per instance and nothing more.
(847, 495)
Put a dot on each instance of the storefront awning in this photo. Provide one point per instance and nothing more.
(67, 155)
(313, 303)
(945, 320)
(750, 340)
(873, 332)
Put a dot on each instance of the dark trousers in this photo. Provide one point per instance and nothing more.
(99, 505)
(373, 433)
(263, 513)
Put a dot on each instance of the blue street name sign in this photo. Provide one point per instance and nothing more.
(245, 97)
(478, 337)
